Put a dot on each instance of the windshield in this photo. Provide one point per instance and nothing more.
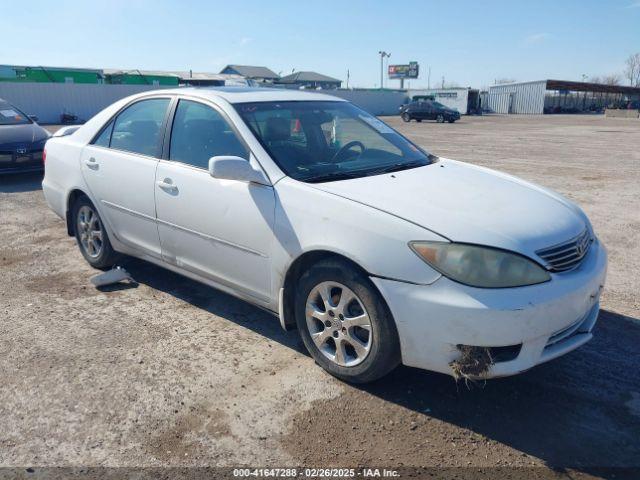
(439, 105)
(321, 141)
(10, 115)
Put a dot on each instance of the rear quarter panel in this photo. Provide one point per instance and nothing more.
(62, 173)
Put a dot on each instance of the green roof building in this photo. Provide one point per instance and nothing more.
(140, 77)
(19, 73)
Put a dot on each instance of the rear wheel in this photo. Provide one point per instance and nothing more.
(419, 120)
(406, 117)
(91, 235)
(345, 324)
(440, 118)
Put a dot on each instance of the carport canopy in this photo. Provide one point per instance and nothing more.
(591, 87)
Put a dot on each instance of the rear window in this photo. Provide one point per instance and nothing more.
(137, 128)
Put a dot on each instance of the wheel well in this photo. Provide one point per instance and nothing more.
(73, 196)
(295, 271)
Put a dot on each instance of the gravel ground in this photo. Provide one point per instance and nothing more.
(172, 373)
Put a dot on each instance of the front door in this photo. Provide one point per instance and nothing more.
(219, 229)
(119, 167)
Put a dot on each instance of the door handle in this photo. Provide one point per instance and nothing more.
(92, 163)
(167, 185)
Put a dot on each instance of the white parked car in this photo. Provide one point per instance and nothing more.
(301, 203)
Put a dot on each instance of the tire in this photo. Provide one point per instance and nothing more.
(406, 117)
(451, 120)
(419, 120)
(366, 324)
(91, 235)
(440, 118)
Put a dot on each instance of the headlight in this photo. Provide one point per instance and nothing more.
(480, 266)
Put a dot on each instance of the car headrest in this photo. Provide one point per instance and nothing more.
(277, 129)
(143, 127)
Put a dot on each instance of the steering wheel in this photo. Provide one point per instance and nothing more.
(348, 146)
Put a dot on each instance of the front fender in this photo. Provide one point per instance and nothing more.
(307, 219)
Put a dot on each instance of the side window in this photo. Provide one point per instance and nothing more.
(105, 137)
(137, 128)
(199, 132)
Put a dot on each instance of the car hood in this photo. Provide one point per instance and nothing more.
(21, 134)
(471, 204)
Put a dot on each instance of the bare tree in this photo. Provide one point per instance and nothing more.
(611, 79)
(632, 70)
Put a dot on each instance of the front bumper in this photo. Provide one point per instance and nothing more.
(546, 320)
(29, 161)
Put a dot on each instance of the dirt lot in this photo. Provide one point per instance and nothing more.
(172, 373)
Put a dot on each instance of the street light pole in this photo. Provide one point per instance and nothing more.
(382, 54)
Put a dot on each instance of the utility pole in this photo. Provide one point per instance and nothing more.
(443, 81)
(382, 54)
(347, 79)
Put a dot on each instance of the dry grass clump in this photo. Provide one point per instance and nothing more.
(472, 363)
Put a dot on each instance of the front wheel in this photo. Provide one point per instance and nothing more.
(91, 235)
(406, 117)
(440, 118)
(344, 323)
(451, 120)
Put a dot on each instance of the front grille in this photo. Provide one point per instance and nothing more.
(566, 256)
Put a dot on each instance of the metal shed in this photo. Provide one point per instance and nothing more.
(526, 97)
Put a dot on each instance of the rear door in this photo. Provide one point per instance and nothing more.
(219, 229)
(120, 166)
(429, 111)
(424, 110)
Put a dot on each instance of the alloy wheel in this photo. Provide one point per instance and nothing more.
(338, 324)
(90, 230)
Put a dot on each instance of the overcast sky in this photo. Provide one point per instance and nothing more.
(468, 42)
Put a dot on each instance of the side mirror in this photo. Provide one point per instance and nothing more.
(33, 118)
(235, 168)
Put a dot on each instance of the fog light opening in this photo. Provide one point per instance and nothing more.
(472, 363)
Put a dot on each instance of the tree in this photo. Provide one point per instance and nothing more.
(611, 79)
(632, 70)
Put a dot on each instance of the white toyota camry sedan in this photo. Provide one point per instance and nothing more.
(378, 252)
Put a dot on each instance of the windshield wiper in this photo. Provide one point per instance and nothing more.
(396, 167)
(327, 177)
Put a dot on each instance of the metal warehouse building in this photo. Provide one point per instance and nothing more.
(558, 96)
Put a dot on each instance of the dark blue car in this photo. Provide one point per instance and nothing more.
(21, 141)
(428, 110)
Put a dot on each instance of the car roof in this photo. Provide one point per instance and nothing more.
(250, 94)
